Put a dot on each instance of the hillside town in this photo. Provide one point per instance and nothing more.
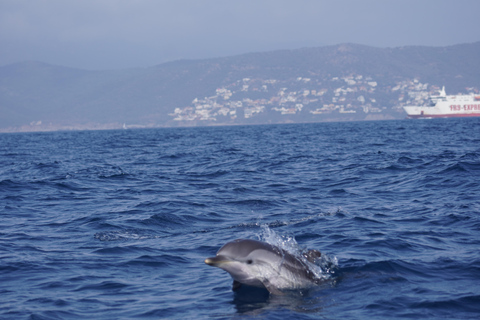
(355, 95)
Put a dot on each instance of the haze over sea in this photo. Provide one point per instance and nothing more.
(117, 224)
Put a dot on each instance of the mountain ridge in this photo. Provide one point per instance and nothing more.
(39, 96)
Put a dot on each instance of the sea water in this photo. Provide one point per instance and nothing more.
(117, 224)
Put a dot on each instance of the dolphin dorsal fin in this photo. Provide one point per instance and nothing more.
(312, 255)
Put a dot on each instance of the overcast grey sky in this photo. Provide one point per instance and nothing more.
(113, 34)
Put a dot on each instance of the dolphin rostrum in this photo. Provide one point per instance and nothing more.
(260, 264)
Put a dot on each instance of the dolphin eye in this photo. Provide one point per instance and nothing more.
(249, 261)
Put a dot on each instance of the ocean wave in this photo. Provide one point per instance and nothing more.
(117, 224)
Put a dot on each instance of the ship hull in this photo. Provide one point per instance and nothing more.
(457, 115)
(444, 109)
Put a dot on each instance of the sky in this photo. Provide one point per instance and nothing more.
(119, 34)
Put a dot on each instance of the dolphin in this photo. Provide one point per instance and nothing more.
(260, 264)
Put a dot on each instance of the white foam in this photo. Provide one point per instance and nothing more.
(323, 267)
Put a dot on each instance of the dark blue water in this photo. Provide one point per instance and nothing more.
(116, 224)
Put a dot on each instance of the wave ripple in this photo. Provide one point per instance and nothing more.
(116, 224)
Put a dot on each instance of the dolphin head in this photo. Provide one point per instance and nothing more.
(259, 264)
(247, 261)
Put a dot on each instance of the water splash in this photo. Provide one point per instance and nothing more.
(324, 267)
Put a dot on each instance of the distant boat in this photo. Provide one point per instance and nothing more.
(125, 126)
(443, 106)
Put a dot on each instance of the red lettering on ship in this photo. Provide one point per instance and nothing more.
(454, 107)
(468, 107)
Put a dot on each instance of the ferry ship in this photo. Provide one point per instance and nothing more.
(443, 106)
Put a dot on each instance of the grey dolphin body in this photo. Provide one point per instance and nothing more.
(259, 264)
